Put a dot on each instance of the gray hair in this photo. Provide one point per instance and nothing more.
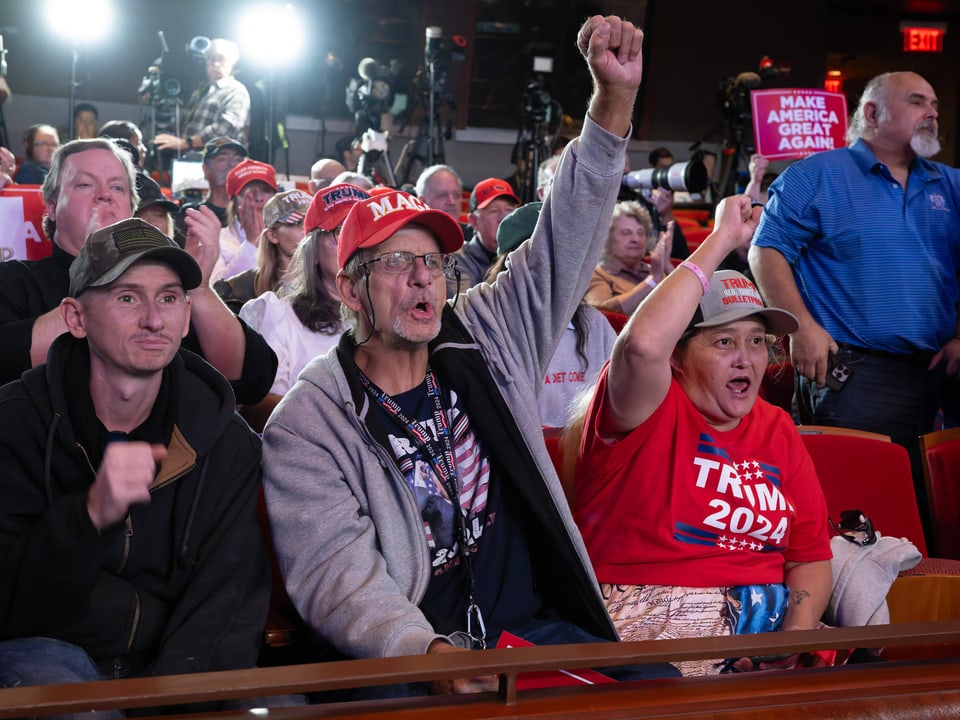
(54, 179)
(348, 316)
(315, 309)
(631, 208)
(877, 91)
(429, 172)
(348, 177)
(545, 173)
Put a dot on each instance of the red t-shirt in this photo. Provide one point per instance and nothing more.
(677, 502)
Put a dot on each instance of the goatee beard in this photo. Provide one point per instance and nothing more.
(925, 142)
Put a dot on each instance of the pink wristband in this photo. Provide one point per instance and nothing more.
(695, 269)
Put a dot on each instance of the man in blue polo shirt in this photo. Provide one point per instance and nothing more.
(862, 244)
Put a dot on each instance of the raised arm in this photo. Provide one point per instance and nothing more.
(612, 48)
(640, 366)
(239, 353)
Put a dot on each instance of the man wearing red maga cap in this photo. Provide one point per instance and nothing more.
(424, 401)
(250, 184)
(490, 202)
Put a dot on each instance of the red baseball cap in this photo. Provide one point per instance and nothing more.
(330, 206)
(246, 172)
(486, 191)
(375, 219)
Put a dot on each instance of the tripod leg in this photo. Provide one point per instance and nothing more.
(388, 169)
(4, 141)
(405, 162)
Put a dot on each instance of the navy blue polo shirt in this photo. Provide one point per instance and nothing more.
(876, 265)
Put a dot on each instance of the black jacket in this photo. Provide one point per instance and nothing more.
(183, 584)
(30, 288)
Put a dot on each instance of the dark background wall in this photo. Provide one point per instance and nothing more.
(691, 47)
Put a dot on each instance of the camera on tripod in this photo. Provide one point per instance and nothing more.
(537, 105)
(733, 94)
(156, 84)
(371, 96)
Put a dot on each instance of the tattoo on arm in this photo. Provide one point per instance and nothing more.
(799, 596)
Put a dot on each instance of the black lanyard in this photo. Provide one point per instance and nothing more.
(442, 459)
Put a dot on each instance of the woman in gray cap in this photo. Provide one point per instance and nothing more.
(697, 501)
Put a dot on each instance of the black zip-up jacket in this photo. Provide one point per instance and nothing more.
(183, 583)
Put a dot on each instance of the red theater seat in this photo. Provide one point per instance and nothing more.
(940, 452)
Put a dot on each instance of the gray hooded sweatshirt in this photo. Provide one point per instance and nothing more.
(347, 529)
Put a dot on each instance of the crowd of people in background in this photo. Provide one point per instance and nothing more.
(402, 352)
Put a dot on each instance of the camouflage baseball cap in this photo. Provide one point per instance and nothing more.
(110, 251)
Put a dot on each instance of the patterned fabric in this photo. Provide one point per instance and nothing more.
(664, 612)
(220, 109)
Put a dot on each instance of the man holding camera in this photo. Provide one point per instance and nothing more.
(221, 107)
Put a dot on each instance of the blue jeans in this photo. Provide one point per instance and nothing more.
(538, 632)
(45, 661)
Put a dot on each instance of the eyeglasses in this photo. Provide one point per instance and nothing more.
(45, 143)
(401, 261)
(855, 527)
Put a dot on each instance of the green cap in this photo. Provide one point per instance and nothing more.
(517, 227)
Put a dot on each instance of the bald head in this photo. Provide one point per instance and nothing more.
(898, 111)
(323, 172)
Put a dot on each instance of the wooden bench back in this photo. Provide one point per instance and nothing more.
(905, 684)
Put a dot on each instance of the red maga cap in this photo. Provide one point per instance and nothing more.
(246, 172)
(375, 219)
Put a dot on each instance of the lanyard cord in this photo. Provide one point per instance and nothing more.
(443, 461)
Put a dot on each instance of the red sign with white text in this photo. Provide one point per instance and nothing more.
(794, 122)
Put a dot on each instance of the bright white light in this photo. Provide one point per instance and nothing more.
(80, 22)
(272, 35)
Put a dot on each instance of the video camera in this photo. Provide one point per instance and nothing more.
(156, 84)
(688, 177)
(537, 105)
(733, 94)
(372, 95)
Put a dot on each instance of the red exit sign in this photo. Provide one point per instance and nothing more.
(925, 38)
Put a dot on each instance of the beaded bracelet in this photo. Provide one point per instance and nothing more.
(695, 269)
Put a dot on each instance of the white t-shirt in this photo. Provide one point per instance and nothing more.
(236, 254)
(567, 374)
(294, 344)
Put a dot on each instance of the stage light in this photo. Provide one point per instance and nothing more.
(80, 23)
(85, 23)
(272, 35)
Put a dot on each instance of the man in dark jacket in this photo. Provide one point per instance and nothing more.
(90, 185)
(129, 542)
